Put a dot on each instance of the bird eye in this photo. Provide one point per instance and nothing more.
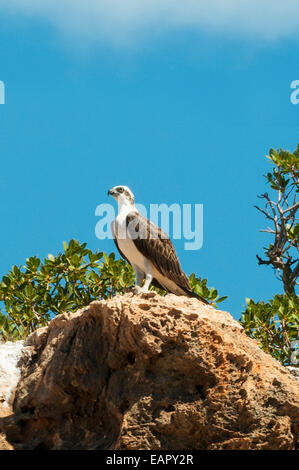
(120, 190)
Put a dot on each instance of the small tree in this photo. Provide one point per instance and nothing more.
(282, 253)
(275, 324)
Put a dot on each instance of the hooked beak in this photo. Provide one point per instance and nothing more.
(111, 192)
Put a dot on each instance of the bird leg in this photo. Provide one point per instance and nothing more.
(139, 277)
(147, 283)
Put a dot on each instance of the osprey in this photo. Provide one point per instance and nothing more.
(147, 248)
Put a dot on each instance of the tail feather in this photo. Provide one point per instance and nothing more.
(190, 293)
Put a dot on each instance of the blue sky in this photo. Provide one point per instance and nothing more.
(180, 113)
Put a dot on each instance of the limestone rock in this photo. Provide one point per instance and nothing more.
(10, 354)
(151, 372)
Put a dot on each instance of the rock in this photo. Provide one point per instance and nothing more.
(10, 354)
(294, 371)
(151, 372)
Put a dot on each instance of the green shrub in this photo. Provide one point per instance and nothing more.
(31, 295)
(275, 325)
(199, 286)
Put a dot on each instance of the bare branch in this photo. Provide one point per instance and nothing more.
(266, 213)
(268, 230)
(282, 214)
(293, 208)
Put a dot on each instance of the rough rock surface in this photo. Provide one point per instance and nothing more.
(10, 354)
(151, 372)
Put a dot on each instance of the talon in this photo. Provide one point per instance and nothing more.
(137, 290)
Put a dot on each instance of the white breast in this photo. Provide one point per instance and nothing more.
(126, 245)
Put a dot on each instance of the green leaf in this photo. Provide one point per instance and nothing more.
(221, 299)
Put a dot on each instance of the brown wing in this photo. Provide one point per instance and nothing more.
(155, 245)
(155, 283)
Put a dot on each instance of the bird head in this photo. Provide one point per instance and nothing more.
(122, 194)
